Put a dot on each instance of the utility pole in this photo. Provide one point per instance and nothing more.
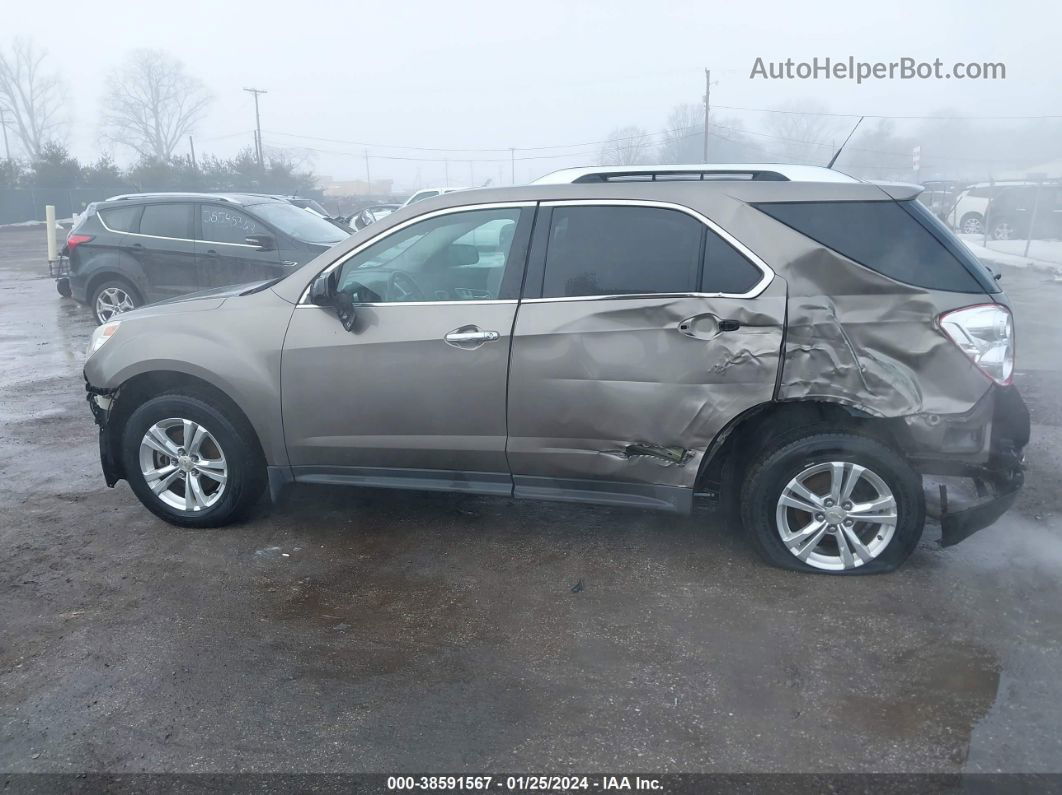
(191, 146)
(707, 108)
(368, 176)
(3, 123)
(446, 163)
(512, 161)
(257, 122)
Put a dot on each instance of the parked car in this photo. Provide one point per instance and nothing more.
(805, 352)
(1011, 210)
(311, 206)
(370, 215)
(940, 196)
(428, 193)
(132, 250)
(968, 213)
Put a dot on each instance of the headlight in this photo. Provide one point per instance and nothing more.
(101, 335)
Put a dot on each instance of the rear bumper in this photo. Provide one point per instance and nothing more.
(1001, 421)
(961, 524)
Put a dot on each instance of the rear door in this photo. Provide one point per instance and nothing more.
(643, 331)
(223, 254)
(165, 249)
(415, 394)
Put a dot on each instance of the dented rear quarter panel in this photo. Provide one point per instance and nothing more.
(856, 337)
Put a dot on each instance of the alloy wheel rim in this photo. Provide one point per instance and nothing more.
(1003, 231)
(112, 301)
(836, 515)
(183, 465)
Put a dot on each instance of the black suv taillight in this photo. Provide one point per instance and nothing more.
(75, 240)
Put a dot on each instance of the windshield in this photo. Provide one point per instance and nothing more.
(301, 225)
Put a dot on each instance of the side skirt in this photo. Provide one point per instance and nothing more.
(497, 484)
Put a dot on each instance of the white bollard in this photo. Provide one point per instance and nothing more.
(49, 223)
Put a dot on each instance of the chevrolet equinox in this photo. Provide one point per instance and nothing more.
(802, 349)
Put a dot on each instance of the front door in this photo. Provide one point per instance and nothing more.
(638, 340)
(223, 255)
(415, 395)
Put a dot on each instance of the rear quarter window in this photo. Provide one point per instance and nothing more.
(120, 219)
(900, 240)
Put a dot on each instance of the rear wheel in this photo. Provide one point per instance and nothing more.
(972, 223)
(834, 503)
(189, 463)
(1003, 230)
(112, 297)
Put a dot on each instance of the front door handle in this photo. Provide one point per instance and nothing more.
(470, 337)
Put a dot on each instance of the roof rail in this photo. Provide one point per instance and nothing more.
(776, 172)
(171, 194)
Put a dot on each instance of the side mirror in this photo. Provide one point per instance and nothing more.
(263, 242)
(322, 291)
(462, 254)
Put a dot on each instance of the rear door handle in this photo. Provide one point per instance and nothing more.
(470, 337)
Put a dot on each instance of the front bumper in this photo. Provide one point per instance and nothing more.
(101, 402)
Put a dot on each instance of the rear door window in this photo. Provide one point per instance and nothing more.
(617, 250)
(167, 220)
(120, 219)
(901, 240)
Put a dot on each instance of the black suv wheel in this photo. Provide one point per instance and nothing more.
(112, 297)
(835, 503)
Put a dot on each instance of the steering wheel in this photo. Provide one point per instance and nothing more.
(402, 287)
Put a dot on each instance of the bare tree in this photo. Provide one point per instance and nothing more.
(626, 146)
(801, 134)
(152, 104)
(32, 96)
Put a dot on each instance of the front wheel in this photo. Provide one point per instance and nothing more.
(835, 503)
(188, 462)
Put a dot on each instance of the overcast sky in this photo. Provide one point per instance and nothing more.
(500, 74)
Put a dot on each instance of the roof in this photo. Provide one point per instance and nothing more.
(706, 171)
(234, 198)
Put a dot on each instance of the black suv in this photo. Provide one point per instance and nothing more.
(136, 249)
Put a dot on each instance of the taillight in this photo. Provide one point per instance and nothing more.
(73, 241)
(985, 333)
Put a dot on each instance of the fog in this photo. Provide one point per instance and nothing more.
(344, 79)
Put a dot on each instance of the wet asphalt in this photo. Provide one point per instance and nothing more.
(394, 632)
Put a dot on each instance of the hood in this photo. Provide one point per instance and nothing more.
(229, 291)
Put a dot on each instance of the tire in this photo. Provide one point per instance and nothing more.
(1003, 230)
(972, 223)
(118, 293)
(199, 491)
(807, 457)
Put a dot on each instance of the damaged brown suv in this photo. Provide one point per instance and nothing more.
(798, 345)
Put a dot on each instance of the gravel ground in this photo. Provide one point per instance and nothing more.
(392, 632)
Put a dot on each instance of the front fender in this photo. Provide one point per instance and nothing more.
(233, 344)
